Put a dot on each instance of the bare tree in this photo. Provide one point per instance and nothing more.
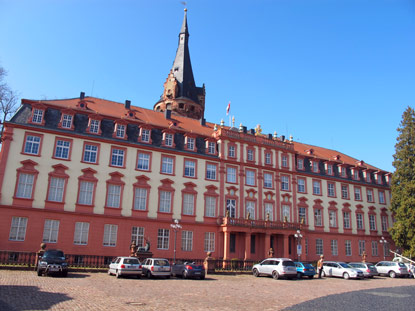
(8, 100)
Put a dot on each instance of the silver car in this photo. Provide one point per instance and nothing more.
(276, 267)
(123, 266)
(341, 269)
(369, 270)
(156, 267)
(392, 269)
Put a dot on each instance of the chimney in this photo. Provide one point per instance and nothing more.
(127, 104)
(269, 136)
(244, 129)
(252, 131)
(82, 96)
(203, 121)
(282, 137)
(167, 114)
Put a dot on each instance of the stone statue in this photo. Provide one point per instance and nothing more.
(133, 249)
(271, 252)
(364, 256)
(40, 253)
(146, 247)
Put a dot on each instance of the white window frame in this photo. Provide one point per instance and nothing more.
(143, 162)
(333, 218)
(268, 180)
(56, 189)
(81, 233)
(359, 221)
(67, 121)
(110, 235)
(209, 243)
(346, 220)
(90, 153)
(231, 174)
(163, 237)
(372, 222)
(168, 139)
(210, 206)
(316, 187)
(37, 116)
(140, 199)
(145, 135)
(348, 247)
(189, 168)
(285, 183)
(63, 148)
(50, 231)
(137, 235)
(250, 178)
(187, 241)
(319, 247)
(32, 144)
(120, 132)
(25, 186)
(86, 192)
(114, 195)
(211, 171)
(250, 208)
(301, 185)
(94, 126)
(334, 248)
(117, 157)
(167, 165)
(165, 201)
(18, 228)
(188, 204)
(318, 217)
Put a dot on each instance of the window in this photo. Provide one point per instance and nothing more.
(187, 241)
(50, 231)
(379, 179)
(384, 223)
(163, 239)
(113, 196)
(94, 126)
(284, 161)
(267, 180)
(81, 233)
(165, 201)
(86, 192)
(368, 178)
(361, 247)
(372, 222)
(333, 219)
(300, 164)
(140, 199)
(301, 185)
(346, 220)
(356, 175)
(250, 209)
(110, 235)
(67, 121)
(250, 178)
(319, 246)
(345, 192)
(357, 195)
(37, 116)
(90, 153)
(334, 248)
(62, 149)
(167, 164)
(315, 167)
(285, 183)
(188, 204)
(145, 135)
(25, 186)
(343, 172)
(189, 168)
(211, 171)
(32, 144)
(117, 157)
(210, 206)
(120, 131)
(269, 211)
(190, 143)
(374, 248)
(381, 197)
(143, 161)
(348, 247)
(359, 221)
(302, 214)
(211, 147)
(329, 169)
(369, 193)
(209, 245)
(18, 229)
(316, 187)
(168, 139)
(231, 207)
(231, 151)
(231, 174)
(137, 235)
(268, 158)
(331, 190)
(56, 188)
(318, 221)
(286, 213)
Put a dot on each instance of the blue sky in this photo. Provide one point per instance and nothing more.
(333, 73)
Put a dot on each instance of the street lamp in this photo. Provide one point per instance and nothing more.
(298, 236)
(383, 242)
(176, 227)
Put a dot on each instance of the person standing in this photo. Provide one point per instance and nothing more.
(320, 266)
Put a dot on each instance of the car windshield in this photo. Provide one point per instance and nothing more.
(288, 263)
(161, 263)
(345, 265)
(371, 265)
(401, 264)
(357, 265)
(308, 265)
(131, 261)
(54, 254)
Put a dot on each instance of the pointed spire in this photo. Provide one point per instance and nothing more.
(184, 25)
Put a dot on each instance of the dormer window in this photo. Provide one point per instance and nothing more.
(94, 126)
(120, 131)
(315, 166)
(329, 169)
(211, 147)
(356, 174)
(168, 139)
(284, 161)
(145, 135)
(343, 171)
(190, 143)
(250, 155)
(300, 164)
(67, 121)
(231, 151)
(37, 116)
(379, 179)
(268, 159)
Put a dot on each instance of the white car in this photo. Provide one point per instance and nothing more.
(276, 267)
(156, 267)
(392, 269)
(341, 269)
(123, 266)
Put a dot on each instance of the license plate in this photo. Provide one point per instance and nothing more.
(53, 269)
(197, 272)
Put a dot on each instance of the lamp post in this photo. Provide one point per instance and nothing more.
(298, 236)
(176, 227)
(383, 242)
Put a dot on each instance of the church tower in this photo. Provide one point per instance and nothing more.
(181, 95)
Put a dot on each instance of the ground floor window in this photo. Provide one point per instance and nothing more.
(50, 231)
(18, 229)
(319, 246)
(110, 235)
(209, 242)
(187, 241)
(334, 248)
(137, 235)
(163, 238)
(348, 248)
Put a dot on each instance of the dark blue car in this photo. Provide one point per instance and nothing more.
(305, 269)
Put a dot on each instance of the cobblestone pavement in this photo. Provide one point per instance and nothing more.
(24, 290)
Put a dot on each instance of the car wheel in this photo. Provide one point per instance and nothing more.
(299, 275)
(202, 277)
(65, 274)
(109, 272)
(311, 276)
(117, 274)
(392, 274)
(149, 275)
(346, 276)
(275, 275)
(255, 272)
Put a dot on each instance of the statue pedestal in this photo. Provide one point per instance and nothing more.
(209, 265)
(143, 255)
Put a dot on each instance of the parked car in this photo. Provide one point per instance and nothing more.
(188, 270)
(341, 269)
(369, 270)
(276, 267)
(156, 267)
(411, 269)
(305, 269)
(392, 269)
(123, 266)
(53, 261)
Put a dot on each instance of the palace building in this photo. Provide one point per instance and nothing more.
(89, 176)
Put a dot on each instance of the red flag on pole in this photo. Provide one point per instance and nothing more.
(228, 108)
